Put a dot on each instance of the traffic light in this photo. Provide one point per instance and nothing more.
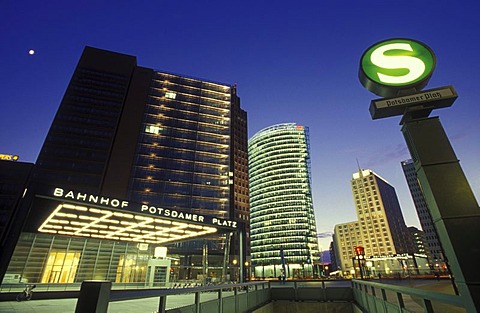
(359, 250)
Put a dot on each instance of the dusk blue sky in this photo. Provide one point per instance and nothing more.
(292, 61)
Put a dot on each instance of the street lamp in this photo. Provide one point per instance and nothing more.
(234, 262)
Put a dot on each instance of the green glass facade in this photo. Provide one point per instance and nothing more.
(281, 206)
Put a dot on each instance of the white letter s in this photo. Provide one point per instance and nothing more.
(415, 66)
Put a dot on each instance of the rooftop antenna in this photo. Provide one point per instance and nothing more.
(359, 169)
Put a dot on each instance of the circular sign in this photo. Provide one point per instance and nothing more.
(396, 66)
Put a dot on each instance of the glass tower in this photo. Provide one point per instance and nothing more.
(282, 220)
(183, 153)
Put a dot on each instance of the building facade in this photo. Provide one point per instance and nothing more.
(13, 183)
(433, 243)
(380, 228)
(419, 241)
(283, 231)
(171, 147)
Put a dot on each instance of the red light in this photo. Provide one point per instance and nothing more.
(359, 250)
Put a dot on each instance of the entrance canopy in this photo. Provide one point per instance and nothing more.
(70, 213)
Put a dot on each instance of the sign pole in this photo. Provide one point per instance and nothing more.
(451, 202)
(398, 69)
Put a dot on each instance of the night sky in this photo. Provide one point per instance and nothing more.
(292, 61)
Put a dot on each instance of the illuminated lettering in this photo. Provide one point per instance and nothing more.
(58, 192)
(415, 66)
(220, 222)
(172, 213)
(79, 196)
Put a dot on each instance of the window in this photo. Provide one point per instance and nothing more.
(170, 95)
(153, 129)
(61, 267)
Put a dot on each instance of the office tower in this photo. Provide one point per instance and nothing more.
(282, 220)
(433, 243)
(333, 258)
(126, 135)
(346, 237)
(380, 228)
(419, 241)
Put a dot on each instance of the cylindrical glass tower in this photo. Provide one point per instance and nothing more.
(283, 231)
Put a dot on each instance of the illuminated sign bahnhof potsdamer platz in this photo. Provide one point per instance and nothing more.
(77, 236)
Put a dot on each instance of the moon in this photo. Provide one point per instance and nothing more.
(31, 52)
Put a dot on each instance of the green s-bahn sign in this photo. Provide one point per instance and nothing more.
(396, 66)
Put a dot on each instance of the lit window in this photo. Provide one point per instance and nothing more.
(170, 95)
(153, 129)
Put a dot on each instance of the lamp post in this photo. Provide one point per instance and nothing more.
(234, 262)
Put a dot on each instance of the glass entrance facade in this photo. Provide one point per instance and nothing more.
(43, 258)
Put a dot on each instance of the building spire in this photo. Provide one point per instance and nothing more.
(359, 169)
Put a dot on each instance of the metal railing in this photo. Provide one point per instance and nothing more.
(377, 297)
(243, 297)
(369, 296)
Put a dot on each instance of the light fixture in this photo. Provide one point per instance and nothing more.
(100, 223)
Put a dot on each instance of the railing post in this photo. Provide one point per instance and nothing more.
(235, 294)
(197, 302)
(427, 305)
(295, 290)
(220, 300)
(384, 295)
(162, 304)
(401, 304)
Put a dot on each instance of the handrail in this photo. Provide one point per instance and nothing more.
(426, 295)
(163, 293)
(116, 295)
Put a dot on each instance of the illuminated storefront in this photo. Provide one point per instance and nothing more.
(77, 236)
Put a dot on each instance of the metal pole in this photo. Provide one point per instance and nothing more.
(241, 255)
(162, 304)
(205, 262)
(226, 253)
